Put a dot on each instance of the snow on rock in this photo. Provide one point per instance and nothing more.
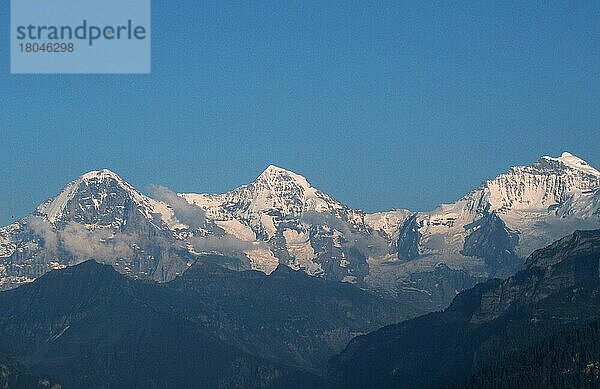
(100, 187)
(277, 193)
(262, 259)
(349, 279)
(7, 247)
(55, 265)
(298, 245)
(548, 182)
(53, 209)
(277, 203)
(237, 229)
(389, 222)
(574, 162)
(281, 218)
(268, 224)
(539, 203)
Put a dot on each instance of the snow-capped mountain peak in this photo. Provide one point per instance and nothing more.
(101, 198)
(101, 174)
(520, 210)
(569, 160)
(275, 178)
(547, 183)
(275, 190)
(290, 218)
(98, 215)
(273, 170)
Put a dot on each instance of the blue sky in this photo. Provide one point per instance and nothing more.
(381, 104)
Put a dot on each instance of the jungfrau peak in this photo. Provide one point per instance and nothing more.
(490, 230)
(547, 183)
(547, 200)
(575, 162)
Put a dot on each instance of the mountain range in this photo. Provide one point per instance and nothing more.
(89, 326)
(497, 334)
(418, 258)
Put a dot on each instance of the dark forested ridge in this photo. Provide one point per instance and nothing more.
(569, 359)
(90, 326)
(484, 326)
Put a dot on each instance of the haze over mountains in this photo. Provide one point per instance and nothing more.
(421, 258)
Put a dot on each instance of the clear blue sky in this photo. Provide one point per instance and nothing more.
(381, 104)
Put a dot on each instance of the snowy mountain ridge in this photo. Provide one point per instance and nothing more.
(275, 196)
(490, 230)
(547, 183)
(282, 209)
(280, 218)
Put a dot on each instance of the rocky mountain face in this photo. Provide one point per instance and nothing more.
(98, 215)
(421, 257)
(484, 326)
(297, 225)
(490, 231)
(89, 326)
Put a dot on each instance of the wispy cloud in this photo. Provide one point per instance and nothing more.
(186, 213)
